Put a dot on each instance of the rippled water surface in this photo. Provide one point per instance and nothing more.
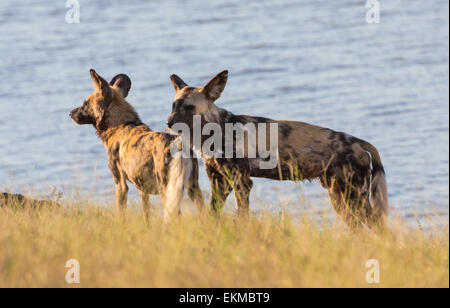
(314, 61)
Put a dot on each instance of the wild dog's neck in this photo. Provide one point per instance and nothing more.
(119, 132)
(218, 115)
(119, 117)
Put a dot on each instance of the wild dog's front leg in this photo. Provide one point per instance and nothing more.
(242, 192)
(145, 204)
(220, 189)
(119, 177)
(121, 195)
(195, 194)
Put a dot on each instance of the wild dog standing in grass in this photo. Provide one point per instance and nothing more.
(135, 152)
(348, 167)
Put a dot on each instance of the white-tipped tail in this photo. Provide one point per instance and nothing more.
(179, 172)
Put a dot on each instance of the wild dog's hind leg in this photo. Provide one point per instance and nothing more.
(375, 219)
(193, 189)
(145, 204)
(343, 208)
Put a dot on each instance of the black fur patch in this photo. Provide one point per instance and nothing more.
(286, 130)
(138, 142)
(261, 120)
(136, 122)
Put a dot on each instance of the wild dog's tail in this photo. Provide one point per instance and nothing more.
(378, 188)
(179, 172)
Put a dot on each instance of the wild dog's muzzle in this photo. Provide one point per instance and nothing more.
(80, 117)
(73, 113)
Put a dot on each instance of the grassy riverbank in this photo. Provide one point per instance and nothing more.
(201, 251)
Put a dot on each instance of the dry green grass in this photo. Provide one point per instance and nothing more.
(201, 251)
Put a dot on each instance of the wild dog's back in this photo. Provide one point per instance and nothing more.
(145, 158)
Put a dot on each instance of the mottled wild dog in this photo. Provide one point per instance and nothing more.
(136, 153)
(24, 202)
(350, 168)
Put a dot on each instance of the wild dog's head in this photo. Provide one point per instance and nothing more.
(190, 101)
(106, 106)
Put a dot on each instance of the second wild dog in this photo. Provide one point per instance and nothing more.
(348, 167)
(21, 201)
(136, 154)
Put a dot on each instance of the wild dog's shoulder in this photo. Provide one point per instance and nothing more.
(142, 138)
(163, 137)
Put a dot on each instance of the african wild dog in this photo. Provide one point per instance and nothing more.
(348, 167)
(135, 152)
(24, 202)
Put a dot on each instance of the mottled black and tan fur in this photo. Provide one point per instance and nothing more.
(350, 168)
(21, 201)
(136, 154)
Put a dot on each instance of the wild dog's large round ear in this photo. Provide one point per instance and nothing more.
(122, 82)
(214, 88)
(177, 82)
(100, 84)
